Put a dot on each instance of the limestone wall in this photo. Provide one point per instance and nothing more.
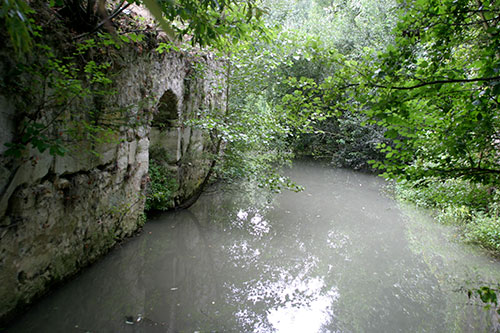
(58, 214)
(189, 149)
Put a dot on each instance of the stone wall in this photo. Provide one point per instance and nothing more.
(188, 149)
(60, 213)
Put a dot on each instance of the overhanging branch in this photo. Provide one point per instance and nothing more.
(423, 84)
(468, 171)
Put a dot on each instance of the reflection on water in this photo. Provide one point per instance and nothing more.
(338, 257)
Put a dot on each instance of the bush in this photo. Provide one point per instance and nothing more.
(346, 141)
(435, 193)
(485, 231)
(470, 205)
(161, 189)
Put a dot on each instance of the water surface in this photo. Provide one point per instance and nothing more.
(338, 257)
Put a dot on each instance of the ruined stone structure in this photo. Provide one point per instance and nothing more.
(60, 213)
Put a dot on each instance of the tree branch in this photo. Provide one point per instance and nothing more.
(468, 171)
(479, 79)
(115, 13)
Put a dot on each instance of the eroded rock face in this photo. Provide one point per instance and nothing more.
(58, 214)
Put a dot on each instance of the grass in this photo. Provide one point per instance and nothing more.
(473, 207)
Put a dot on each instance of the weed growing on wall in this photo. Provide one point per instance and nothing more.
(162, 181)
(161, 189)
(61, 94)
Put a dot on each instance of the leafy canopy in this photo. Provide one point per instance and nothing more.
(435, 90)
(204, 22)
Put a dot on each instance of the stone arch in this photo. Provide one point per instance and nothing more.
(168, 111)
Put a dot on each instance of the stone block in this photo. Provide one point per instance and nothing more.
(106, 153)
(169, 140)
(123, 154)
(72, 162)
(132, 150)
(142, 155)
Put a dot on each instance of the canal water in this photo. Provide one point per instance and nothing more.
(341, 256)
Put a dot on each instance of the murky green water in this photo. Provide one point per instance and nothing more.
(338, 257)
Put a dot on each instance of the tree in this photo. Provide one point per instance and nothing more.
(435, 89)
(206, 22)
(334, 32)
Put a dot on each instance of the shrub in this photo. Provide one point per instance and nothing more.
(470, 205)
(161, 188)
(485, 231)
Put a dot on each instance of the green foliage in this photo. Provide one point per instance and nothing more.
(488, 295)
(162, 181)
(256, 145)
(213, 22)
(254, 142)
(167, 47)
(256, 131)
(313, 55)
(20, 27)
(344, 25)
(50, 86)
(485, 231)
(203, 22)
(141, 219)
(342, 140)
(161, 188)
(435, 90)
(436, 193)
(157, 12)
(472, 206)
(33, 134)
(285, 73)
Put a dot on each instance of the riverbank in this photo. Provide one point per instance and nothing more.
(473, 208)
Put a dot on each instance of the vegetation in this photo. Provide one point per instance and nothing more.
(419, 103)
(162, 187)
(439, 103)
(56, 82)
(430, 90)
(92, 33)
(469, 205)
(410, 88)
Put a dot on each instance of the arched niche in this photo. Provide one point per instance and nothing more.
(167, 115)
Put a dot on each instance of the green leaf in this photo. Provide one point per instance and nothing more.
(155, 10)
(391, 134)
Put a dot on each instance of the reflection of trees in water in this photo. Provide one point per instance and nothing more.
(276, 269)
(181, 274)
(239, 264)
(265, 271)
(345, 257)
(457, 267)
(336, 254)
(234, 223)
(382, 286)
